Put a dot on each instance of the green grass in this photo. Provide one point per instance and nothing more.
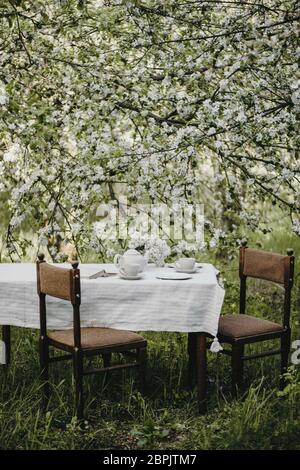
(118, 417)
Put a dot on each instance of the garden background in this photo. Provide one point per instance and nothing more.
(160, 102)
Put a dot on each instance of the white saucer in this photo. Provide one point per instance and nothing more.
(187, 271)
(131, 278)
(197, 266)
(174, 277)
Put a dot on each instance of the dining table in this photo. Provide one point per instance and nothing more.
(155, 302)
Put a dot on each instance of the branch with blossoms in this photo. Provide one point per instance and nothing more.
(194, 102)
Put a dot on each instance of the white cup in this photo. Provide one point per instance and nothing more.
(129, 269)
(187, 264)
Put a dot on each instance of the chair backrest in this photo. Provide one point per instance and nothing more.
(61, 283)
(265, 265)
(270, 267)
(56, 282)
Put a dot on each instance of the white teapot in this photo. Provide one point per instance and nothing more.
(131, 257)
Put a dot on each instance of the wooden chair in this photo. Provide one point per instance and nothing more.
(81, 342)
(241, 329)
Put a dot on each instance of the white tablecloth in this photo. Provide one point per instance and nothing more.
(148, 304)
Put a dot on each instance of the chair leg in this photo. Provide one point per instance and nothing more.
(285, 351)
(44, 364)
(192, 338)
(237, 368)
(6, 336)
(78, 377)
(106, 359)
(201, 371)
(142, 359)
(106, 363)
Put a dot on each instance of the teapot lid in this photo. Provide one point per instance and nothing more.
(131, 252)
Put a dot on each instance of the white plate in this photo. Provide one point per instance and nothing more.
(131, 278)
(174, 277)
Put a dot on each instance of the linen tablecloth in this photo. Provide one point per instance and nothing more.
(148, 304)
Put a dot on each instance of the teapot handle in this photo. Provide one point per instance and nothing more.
(117, 260)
